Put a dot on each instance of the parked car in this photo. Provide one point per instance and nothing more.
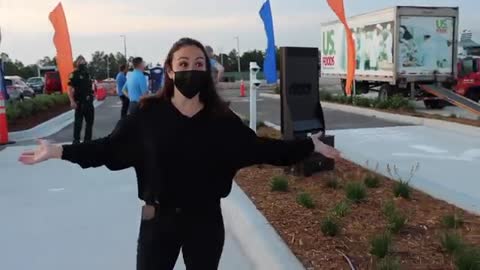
(52, 82)
(37, 84)
(17, 88)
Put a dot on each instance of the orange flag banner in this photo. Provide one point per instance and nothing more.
(338, 7)
(61, 39)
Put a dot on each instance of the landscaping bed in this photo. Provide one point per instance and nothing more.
(396, 105)
(26, 114)
(313, 208)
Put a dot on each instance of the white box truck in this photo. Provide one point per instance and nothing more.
(397, 49)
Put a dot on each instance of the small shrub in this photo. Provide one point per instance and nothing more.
(452, 221)
(344, 99)
(326, 96)
(396, 222)
(341, 209)
(452, 115)
(468, 259)
(279, 184)
(388, 263)
(362, 102)
(25, 108)
(12, 113)
(372, 181)
(260, 124)
(452, 242)
(277, 90)
(356, 192)
(380, 245)
(305, 200)
(389, 209)
(332, 183)
(398, 102)
(61, 99)
(382, 104)
(402, 189)
(329, 227)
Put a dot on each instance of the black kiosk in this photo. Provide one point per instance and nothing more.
(301, 112)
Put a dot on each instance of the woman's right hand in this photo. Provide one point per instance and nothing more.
(43, 152)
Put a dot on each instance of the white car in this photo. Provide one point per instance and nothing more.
(17, 88)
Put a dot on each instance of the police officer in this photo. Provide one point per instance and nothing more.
(81, 100)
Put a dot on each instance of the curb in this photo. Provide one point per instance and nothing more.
(47, 128)
(413, 120)
(274, 96)
(257, 238)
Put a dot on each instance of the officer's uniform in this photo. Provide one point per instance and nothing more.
(83, 95)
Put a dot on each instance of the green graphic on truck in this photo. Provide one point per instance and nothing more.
(328, 52)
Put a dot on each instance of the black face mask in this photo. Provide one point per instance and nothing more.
(191, 82)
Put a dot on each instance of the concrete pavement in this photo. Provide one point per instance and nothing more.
(58, 216)
(269, 110)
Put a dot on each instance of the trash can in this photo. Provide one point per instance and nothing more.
(156, 77)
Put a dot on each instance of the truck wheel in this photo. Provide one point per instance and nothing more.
(435, 104)
(385, 92)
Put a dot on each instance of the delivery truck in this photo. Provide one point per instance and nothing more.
(397, 50)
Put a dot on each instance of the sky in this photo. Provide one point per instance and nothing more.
(152, 26)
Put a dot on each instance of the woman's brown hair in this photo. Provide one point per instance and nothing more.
(208, 96)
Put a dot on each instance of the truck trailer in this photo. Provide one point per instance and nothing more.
(397, 50)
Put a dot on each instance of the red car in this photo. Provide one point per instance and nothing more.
(52, 82)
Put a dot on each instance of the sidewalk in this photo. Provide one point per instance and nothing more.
(68, 218)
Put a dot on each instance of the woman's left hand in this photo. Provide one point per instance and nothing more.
(323, 148)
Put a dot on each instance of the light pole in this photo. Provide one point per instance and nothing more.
(238, 56)
(125, 47)
(220, 50)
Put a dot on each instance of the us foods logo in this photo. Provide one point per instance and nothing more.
(442, 26)
(328, 54)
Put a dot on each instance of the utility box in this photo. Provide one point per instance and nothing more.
(301, 111)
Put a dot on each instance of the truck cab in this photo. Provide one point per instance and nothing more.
(468, 79)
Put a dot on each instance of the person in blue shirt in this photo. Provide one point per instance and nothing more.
(136, 86)
(121, 80)
(217, 68)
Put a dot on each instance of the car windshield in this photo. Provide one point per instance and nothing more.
(34, 80)
(8, 82)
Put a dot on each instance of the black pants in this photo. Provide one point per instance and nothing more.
(200, 235)
(85, 110)
(125, 103)
(133, 106)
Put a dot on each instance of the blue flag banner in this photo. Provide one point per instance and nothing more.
(270, 61)
(3, 86)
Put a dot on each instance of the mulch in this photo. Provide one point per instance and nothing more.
(417, 246)
(38, 118)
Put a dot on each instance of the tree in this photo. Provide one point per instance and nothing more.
(47, 61)
(17, 68)
(251, 56)
(98, 68)
(231, 61)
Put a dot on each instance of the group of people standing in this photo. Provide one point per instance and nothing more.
(132, 86)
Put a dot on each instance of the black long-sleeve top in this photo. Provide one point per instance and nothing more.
(182, 161)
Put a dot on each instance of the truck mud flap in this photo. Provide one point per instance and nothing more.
(452, 97)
